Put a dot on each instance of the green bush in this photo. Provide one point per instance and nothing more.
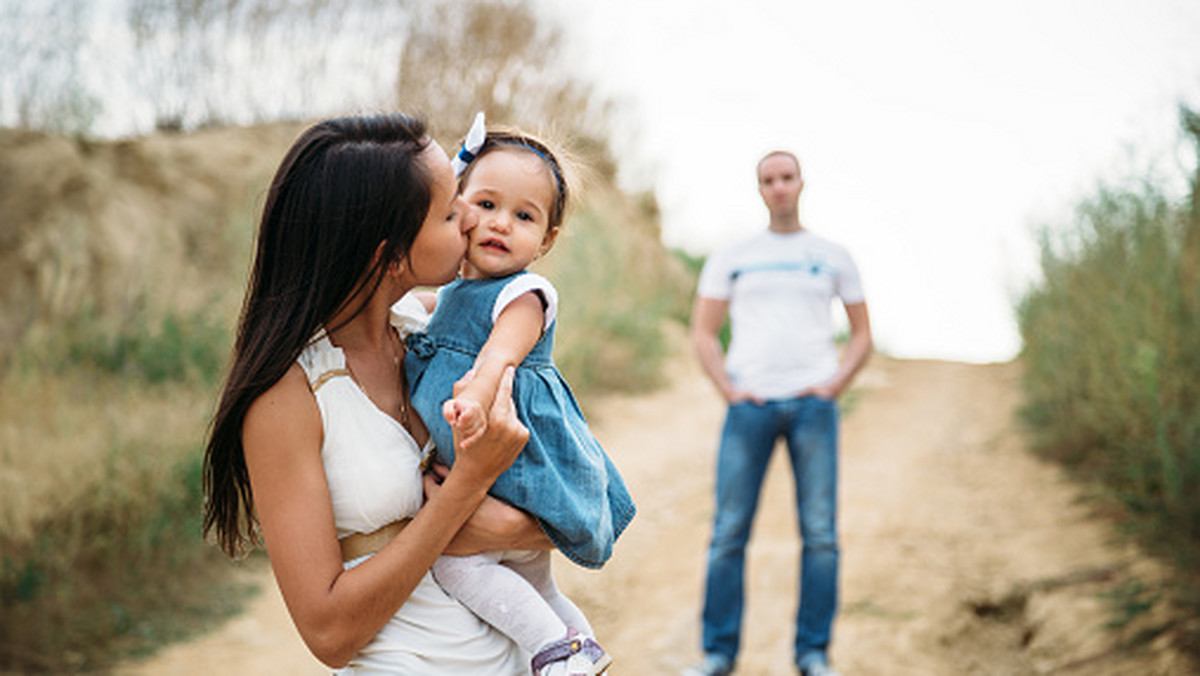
(1111, 338)
(149, 350)
(1110, 363)
(119, 573)
(617, 286)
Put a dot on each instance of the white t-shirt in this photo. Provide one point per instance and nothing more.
(780, 289)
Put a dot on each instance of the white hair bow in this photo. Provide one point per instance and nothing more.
(471, 145)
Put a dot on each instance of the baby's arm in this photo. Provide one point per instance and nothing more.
(516, 331)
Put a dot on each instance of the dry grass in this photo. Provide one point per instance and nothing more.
(66, 435)
(99, 519)
(616, 284)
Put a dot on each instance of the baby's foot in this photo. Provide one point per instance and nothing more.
(466, 418)
(574, 655)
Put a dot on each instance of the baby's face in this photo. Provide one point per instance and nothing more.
(511, 192)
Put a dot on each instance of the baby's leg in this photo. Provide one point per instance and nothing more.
(534, 566)
(500, 597)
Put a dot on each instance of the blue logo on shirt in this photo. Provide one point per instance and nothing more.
(813, 267)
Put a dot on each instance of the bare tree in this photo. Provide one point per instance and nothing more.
(194, 63)
(499, 57)
(42, 47)
(220, 61)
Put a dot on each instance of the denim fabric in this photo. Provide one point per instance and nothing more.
(809, 426)
(562, 477)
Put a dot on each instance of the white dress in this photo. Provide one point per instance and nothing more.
(372, 465)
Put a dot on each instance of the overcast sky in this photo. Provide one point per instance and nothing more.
(934, 134)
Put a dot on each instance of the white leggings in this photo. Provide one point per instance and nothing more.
(514, 591)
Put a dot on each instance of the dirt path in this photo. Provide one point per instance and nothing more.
(961, 553)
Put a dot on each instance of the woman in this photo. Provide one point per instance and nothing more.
(314, 445)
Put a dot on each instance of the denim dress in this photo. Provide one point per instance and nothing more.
(562, 477)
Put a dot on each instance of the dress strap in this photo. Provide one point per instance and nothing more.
(322, 361)
(326, 376)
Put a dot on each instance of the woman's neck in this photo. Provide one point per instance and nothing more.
(364, 325)
(366, 331)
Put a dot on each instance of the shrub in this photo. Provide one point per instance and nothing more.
(172, 348)
(1109, 352)
(617, 285)
(121, 571)
(1111, 364)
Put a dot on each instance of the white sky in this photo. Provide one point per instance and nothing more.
(934, 134)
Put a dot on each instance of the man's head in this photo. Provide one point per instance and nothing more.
(780, 181)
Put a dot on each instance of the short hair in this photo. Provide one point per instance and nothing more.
(777, 153)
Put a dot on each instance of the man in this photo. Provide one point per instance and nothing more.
(781, 379)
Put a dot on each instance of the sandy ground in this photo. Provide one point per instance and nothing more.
(961, 553)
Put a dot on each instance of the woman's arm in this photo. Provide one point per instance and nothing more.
(495, 525)
(337, 612)
(514, 334)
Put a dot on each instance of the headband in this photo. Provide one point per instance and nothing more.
(473, 143)
(470, 145)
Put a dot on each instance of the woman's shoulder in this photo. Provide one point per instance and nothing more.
(286, 411)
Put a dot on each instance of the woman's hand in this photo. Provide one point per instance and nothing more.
(494, 525)
(491, 452)
(466, 418)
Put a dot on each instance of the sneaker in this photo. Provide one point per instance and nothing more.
(572, 656)
(713, 665)
(818, 670)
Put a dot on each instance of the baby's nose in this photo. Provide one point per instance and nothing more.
(500, 220)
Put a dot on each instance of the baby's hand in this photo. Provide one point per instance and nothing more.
(467, 418)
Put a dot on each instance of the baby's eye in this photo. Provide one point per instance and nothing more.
(486, 204)
(524, 216)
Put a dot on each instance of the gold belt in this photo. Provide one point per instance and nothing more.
(361, 544)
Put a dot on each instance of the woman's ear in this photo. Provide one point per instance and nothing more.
(397, 265)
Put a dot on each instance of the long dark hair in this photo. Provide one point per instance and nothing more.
(345, 186)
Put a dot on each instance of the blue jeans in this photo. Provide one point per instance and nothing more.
(810, 427)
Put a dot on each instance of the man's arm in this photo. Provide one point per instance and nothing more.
(855, 356)
(708, 315)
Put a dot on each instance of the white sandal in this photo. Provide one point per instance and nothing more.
(584, 657)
